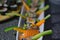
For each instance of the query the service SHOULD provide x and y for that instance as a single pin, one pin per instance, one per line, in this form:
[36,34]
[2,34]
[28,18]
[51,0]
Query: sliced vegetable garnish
[10,28]
[29,33]
[15,14]
[42,9]
[28,2]
[45,8]
[25,26]
[41,21]
[19,30]
[26,6]
[47,16]
[42,34]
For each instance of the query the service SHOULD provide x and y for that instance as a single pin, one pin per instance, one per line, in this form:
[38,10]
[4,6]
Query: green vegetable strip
[45,8]
[28,2]
[15,14]
[25,26]
[42,34]
[41,2]
[9,28]
[47,16]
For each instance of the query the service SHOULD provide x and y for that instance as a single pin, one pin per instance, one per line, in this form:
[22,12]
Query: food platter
[31,20]
[41,29]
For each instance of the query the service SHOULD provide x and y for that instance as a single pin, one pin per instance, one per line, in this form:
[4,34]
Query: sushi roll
[1,6]
[13,7]
[19,2]
[5,5]
[11,2]
[3,11]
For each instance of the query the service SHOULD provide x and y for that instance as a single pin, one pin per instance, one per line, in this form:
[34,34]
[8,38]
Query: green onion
[28,2]
[15,14]
[42,34]
[45,8]
[9,28]
[25,26]
[47,16]
[41,2]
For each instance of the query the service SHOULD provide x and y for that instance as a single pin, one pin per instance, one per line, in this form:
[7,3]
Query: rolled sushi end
[42,34]
[13,7]
[9,28]
[3,10]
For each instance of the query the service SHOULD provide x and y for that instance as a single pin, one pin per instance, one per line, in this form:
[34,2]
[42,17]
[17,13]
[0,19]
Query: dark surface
[53,23]
[11,35]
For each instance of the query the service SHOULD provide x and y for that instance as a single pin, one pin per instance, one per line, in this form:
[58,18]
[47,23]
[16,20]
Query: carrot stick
[42,21]
[29,33]
[19,30]
[26,6]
